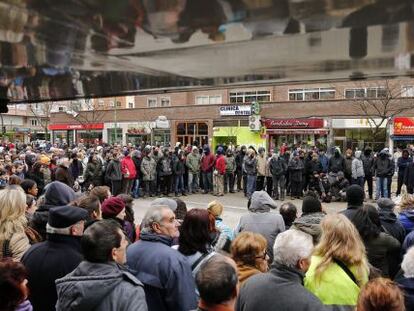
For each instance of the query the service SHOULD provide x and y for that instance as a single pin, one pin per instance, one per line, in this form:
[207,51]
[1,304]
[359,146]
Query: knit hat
[66,216]
[310,205]
[355,195]
[215,208]
[112,206]
[44,160]
[385,203]
[165,202]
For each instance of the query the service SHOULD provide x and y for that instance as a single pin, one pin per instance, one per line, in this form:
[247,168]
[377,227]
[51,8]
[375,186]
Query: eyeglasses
[264,256]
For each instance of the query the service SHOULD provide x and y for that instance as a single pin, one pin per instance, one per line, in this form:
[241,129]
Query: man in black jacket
[389,220]
[282,286]
[368,162]
[57,256]
[114,288]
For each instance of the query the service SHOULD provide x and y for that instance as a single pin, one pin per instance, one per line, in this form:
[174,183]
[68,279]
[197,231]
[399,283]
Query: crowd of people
[69,239]
[148,171]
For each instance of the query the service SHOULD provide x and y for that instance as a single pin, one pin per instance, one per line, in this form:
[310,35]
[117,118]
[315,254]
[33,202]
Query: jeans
[279,183]
[135,189]
[207,181]
[251,185]
[179,184]
[229,182]
[382,188]
[193,181]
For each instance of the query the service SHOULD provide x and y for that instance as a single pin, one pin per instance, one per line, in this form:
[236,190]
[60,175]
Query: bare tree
[85,113]
[379,103]
[41,112]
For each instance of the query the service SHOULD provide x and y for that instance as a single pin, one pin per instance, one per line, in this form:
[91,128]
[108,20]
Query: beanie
[310,205]
[355,195]
[215,208]
[112,207]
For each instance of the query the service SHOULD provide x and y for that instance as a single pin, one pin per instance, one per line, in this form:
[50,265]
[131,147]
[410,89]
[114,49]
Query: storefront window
[114,135]
[187,133]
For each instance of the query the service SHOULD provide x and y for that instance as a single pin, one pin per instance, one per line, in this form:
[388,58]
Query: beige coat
[19,244]
[261,165]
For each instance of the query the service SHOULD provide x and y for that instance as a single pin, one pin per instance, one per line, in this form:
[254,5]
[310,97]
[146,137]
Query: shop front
[358,133]
[295,132]
[403,132]
[237,136]
[75,133]
[189,131]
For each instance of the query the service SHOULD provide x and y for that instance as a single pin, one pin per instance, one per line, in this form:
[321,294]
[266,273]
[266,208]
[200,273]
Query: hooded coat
[391,224]
[310,224]
[100,286]
[406,218]
[261,220]
[357,166]
[383,166]
[207,161]
[57,194]
[336,163]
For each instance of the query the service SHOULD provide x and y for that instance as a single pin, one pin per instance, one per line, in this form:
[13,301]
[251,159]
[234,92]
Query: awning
[297,132]
[404,138]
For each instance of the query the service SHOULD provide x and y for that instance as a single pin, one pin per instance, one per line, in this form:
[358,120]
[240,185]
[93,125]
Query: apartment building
[322,113]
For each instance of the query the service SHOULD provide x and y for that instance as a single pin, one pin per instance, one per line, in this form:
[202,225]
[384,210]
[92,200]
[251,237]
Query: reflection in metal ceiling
[51,50]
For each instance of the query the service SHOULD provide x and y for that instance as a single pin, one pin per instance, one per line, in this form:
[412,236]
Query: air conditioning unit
[254,123]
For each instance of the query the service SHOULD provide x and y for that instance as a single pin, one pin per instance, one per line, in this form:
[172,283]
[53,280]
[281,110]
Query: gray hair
[407,264]
[153,215]
[61,231]
[291,246]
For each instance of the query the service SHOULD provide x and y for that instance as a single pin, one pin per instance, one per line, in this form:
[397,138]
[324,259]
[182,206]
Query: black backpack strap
[198,261]
[6,249]
[346,270]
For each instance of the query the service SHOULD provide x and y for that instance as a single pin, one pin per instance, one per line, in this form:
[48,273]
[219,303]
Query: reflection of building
[322,114]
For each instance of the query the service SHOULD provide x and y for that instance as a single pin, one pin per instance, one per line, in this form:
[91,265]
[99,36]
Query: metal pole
[116,123]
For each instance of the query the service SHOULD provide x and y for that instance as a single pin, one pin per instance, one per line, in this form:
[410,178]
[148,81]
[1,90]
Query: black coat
[409,176]
[296,169]
[407,285]
[391,224]
[46,262]
[280,289]
[336,164]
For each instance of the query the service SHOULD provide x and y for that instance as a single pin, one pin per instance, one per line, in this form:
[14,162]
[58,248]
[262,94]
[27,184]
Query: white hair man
[283,284]
[406,283]
[165,273]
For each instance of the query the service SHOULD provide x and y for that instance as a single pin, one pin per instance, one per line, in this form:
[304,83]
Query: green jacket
[334,287]
[230,164]
[193,162]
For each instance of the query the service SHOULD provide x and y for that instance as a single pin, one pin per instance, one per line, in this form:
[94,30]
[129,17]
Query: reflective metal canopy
[51,50]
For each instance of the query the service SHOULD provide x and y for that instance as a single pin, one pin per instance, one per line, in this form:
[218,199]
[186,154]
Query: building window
[33,122]
[369,92]
[151,102]
[165,102]
[60,108]
[209,100]
[249,97]
[407,91]
[101,102]
[111,104]
[188,132]
[118,104]
[131,105]
[311,94]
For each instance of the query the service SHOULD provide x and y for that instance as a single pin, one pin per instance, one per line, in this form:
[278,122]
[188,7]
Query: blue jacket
[407,220]
[165,273]
[324,162]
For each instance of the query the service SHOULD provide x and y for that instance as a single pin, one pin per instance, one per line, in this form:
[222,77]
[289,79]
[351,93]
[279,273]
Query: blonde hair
[246,246]
[12,212]
[215,208]
[340,240]
[407,202]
